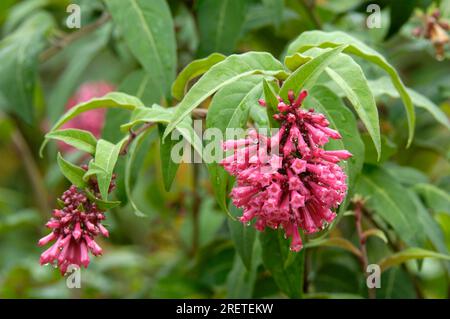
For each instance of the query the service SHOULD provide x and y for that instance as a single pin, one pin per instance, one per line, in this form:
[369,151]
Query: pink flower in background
[296,188]
[92,120]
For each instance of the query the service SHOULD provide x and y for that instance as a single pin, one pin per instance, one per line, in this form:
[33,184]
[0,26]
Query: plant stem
[195,208]
[133,135]
[396,247]
[363,259]
[32,171]
[72,37]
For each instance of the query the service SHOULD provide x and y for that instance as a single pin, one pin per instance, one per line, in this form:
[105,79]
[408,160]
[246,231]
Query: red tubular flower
[297,188]
[74,228]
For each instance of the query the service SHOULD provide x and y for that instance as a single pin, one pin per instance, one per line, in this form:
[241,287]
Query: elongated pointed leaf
[148,29]
[229,70]
[270,97]
[19,54]
[80,139]
[101,204]
[135,156]
[322,39]
[158,114]
[349,76]
[241,280]
[106,156]
[220,24]
[72,172]
[431,227]
[230,109]
[193,70]
[306,76]
[168,167]
[335,242]
[275,253]
[435,198]
[387,198]
[110,100]
[243,237]
[409,254]
[382,86]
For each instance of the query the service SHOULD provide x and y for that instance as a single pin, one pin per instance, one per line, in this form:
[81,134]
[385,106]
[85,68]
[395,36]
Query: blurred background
[172,253]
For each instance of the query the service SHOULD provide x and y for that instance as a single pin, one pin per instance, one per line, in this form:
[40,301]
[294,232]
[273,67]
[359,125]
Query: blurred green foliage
[155,256]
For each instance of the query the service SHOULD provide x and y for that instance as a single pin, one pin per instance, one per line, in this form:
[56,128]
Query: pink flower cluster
[288,179]
[74,228]
[92,120]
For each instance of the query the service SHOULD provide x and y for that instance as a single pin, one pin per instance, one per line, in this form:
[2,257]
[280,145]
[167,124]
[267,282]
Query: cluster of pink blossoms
[288,179]
[74,228]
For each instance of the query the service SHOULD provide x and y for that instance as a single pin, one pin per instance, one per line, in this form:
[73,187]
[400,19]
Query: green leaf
[93,170]
[406,175]
[229,108]
[388,149]
[110,100]
[193,70]
[155,114]
[168,167]
[20,12]
[80,139]
[271,102]
[148,29]
[223,73]
[393,203]
[72,172]
[139,84]
[275,253]
[322,39]
[306,75]
[158,114]
[400,12]
[268,13]
[19,55]
[80,54]
[324,101]
[276,9]
[106,156]
[241,280]
[296,60]
[408,254]
[101,204]
[349,76]
[220,24]
[336,242]
[435,198]
[134,156]
[382,86]
[377,233]
[243,237]
[431,228]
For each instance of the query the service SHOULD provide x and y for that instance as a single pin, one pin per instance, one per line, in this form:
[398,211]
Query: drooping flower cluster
[288,180]
[92,120]
[74,228]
